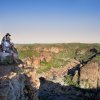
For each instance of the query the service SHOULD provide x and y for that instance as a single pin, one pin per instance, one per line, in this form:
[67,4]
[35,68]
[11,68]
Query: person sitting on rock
[6,44]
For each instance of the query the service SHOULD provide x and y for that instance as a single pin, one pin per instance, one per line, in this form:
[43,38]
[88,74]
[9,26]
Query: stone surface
[89,75]
[15,84]
[6,58]
[13,88]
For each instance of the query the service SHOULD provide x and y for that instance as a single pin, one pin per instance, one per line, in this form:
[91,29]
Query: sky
[50,21]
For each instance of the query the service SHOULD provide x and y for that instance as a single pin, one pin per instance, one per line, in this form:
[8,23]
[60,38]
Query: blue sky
[50,21]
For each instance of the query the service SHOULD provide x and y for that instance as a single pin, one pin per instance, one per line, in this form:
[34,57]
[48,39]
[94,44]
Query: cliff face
[13,87]
[15,84]
[90,75]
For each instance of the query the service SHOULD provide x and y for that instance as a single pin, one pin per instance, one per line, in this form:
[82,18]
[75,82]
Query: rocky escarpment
[12,88]
[15,84]
[78,79]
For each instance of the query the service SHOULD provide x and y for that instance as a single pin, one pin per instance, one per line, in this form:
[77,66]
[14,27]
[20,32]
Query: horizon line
[61,43]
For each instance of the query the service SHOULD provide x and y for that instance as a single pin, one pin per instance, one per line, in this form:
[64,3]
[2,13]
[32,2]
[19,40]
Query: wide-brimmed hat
[8,34]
